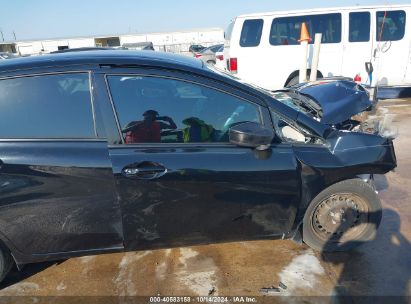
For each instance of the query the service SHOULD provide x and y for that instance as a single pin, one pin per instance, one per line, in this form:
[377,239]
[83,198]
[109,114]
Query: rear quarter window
[46,107]
[251,33]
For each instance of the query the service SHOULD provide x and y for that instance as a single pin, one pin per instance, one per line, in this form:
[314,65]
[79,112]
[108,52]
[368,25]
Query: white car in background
[6,55]
[219,59]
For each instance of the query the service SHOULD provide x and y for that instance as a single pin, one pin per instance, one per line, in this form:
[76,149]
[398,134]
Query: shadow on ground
[15,276]
[377,268]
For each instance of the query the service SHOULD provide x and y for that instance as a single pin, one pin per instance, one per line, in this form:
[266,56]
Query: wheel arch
[7,245]
[297,73]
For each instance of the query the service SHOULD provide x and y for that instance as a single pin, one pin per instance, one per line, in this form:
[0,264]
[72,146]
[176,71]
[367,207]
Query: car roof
[120,58]
[107,57]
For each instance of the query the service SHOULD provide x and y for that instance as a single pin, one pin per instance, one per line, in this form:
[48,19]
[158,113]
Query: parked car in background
[208,55]
[116,151]
[139,46]
[195,48]
[263,49]
[219,58]
[82,49]
[7,55]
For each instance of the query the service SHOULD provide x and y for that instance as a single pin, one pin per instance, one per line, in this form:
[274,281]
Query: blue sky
[31,19]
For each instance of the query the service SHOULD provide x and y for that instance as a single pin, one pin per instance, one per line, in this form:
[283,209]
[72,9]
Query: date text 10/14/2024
[209,299]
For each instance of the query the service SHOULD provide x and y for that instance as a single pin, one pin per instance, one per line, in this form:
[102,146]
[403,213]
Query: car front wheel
[342,217]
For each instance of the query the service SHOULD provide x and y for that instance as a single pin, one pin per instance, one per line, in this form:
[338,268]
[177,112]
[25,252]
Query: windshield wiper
[304,101]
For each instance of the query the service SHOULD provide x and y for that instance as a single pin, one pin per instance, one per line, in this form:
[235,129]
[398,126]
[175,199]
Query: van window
[161,110]
[287,30]
[47,107]
[251,33]
[390,25]
[360,23]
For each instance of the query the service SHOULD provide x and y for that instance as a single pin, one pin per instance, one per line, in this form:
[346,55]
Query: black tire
[6,262]
[296,79]
[362,224]
[293,81]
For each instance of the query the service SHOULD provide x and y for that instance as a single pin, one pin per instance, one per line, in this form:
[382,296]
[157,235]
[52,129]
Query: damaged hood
[337,100]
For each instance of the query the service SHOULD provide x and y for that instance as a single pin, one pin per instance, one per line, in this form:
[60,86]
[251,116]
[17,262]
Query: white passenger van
[263,49]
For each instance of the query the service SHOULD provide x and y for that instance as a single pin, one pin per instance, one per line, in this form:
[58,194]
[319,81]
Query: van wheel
[295,80]
[342,217]
[6,262]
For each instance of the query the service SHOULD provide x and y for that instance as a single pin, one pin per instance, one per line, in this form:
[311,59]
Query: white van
[263,49]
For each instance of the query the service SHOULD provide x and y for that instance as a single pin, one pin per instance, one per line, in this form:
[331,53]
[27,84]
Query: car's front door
[179,179]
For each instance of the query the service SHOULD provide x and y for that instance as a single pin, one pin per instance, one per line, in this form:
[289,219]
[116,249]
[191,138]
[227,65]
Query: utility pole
[14,34]
[2,36]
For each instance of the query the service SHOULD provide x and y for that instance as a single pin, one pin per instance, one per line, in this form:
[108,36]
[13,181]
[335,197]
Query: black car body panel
[339,100]
[347,156]
[58,197]
[209,194]
[63,198]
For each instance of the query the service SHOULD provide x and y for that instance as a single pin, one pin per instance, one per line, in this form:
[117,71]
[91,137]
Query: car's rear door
[192,185]
[57,190]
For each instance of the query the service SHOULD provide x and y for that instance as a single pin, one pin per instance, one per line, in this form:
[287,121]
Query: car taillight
[233,65]
[220,57]
[198,55]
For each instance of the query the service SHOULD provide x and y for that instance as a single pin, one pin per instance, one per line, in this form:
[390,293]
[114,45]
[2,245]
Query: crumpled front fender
[346,155]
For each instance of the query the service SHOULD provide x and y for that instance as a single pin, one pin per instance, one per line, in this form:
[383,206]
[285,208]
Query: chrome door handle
[144,170]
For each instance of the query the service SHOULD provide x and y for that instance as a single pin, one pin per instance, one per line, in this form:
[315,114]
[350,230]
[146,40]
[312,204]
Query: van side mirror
[252,135]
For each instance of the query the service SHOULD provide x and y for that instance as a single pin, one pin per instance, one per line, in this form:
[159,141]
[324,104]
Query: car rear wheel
[6,262]
[342,217]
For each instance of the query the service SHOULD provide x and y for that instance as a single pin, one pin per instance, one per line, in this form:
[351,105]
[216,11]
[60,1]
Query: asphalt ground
[378,268]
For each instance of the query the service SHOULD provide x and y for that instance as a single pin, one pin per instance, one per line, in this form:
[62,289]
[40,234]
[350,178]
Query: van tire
[362,224]
[295,80]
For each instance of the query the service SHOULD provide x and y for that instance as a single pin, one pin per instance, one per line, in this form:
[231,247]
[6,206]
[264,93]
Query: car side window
[390,25]
[163,110]
[46,107]
[251,33]
[360,23]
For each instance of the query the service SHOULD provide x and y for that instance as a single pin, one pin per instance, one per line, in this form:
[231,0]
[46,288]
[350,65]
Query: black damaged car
[118,151]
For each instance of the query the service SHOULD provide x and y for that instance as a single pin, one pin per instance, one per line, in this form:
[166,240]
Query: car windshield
[213,48]
[292,98]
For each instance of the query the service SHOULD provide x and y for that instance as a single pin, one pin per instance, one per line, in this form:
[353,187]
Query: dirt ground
[378,268]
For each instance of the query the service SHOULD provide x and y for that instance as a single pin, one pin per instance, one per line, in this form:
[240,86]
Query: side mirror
[252,135]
